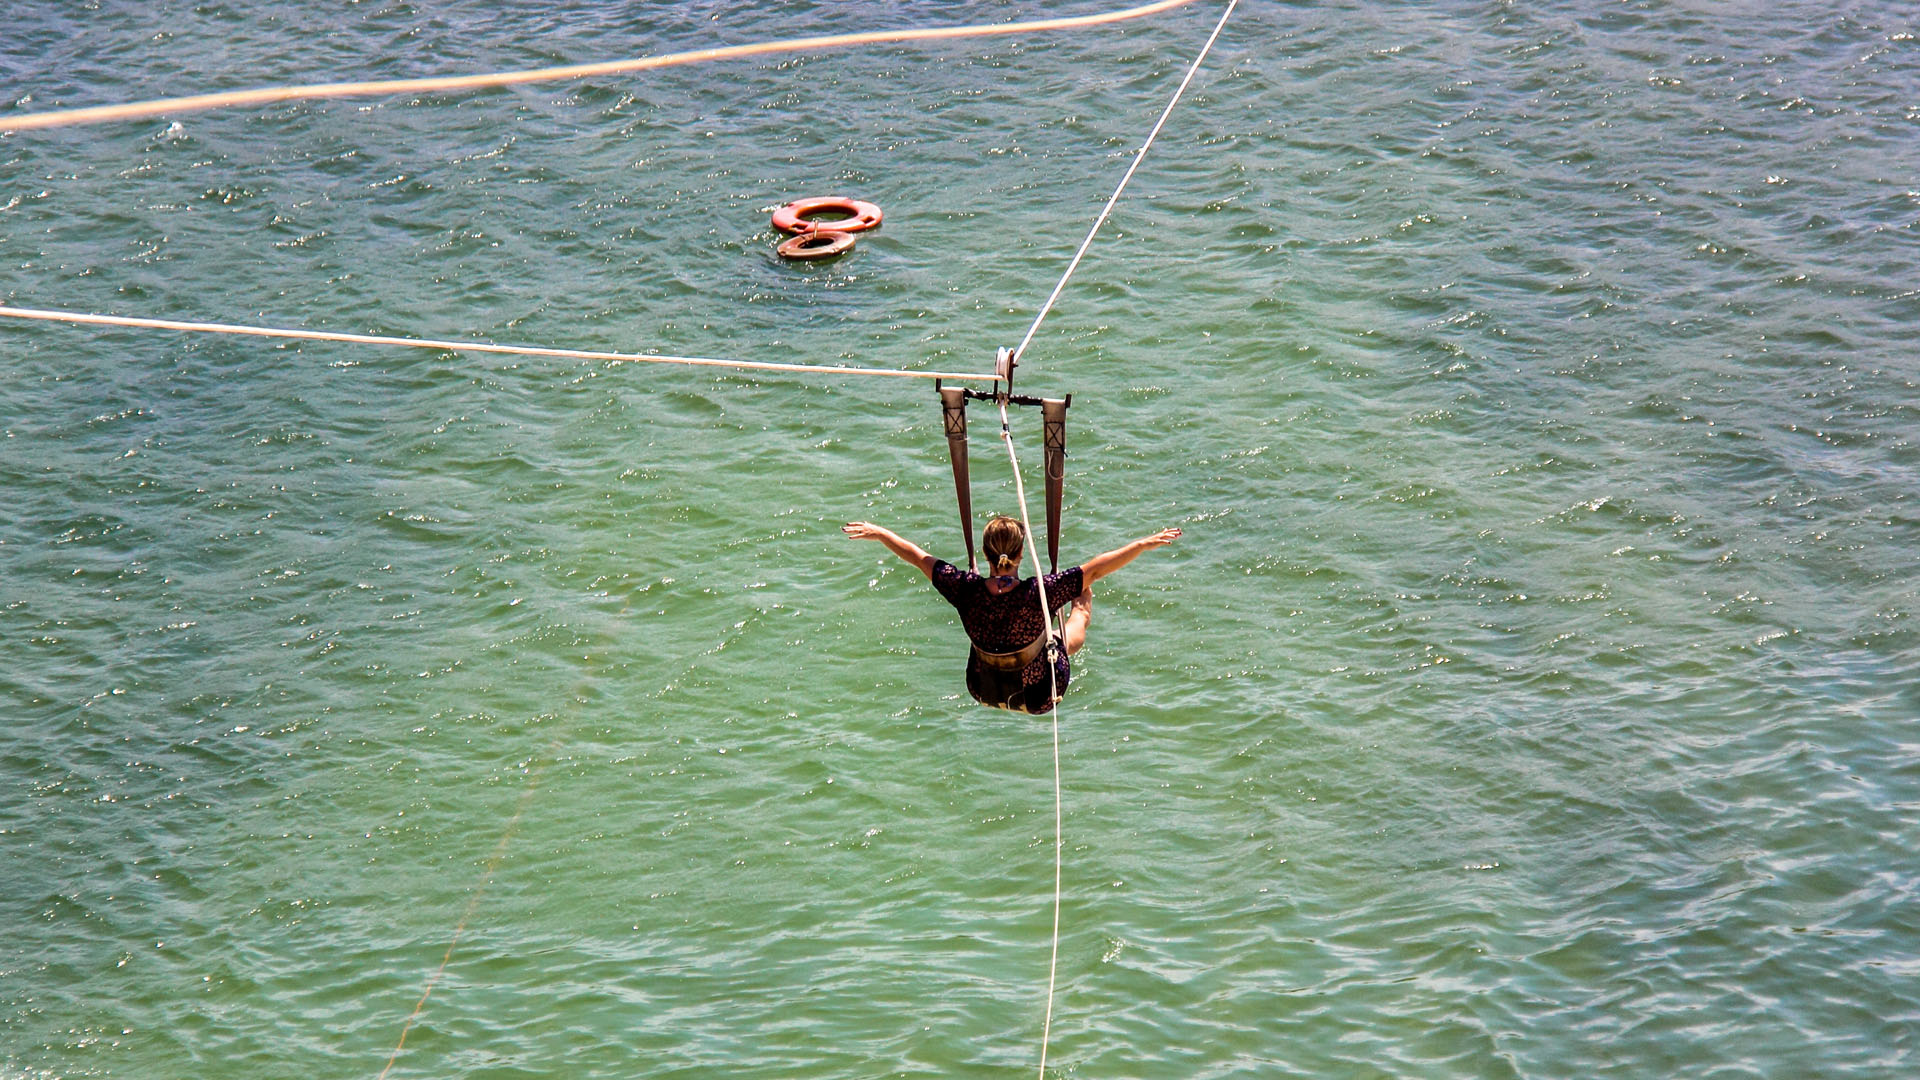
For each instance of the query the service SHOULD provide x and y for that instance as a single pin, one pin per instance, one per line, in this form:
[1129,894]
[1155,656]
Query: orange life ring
[793,216]
[816,244]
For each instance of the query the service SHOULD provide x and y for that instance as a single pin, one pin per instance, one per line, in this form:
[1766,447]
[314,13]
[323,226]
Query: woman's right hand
[862,530]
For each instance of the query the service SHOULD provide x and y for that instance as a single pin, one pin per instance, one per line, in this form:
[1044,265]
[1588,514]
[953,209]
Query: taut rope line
[1020,492]
[99,114]
[84,318]
[1137,159]
[1053,691]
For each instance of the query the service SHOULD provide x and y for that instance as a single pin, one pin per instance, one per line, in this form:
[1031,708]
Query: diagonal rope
[266,95]
[473,902]
[1108,209]
[83,318]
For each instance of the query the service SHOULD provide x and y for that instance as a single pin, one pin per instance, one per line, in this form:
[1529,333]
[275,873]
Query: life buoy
[793,216]
[817,244]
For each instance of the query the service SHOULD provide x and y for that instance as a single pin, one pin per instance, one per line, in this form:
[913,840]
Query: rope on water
[266,95]
[1138,157]
[83,318]
[473,902]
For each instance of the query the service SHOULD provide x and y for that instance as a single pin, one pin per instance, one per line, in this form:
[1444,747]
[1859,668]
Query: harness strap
[1016,660]
[953,411]
[1053,416]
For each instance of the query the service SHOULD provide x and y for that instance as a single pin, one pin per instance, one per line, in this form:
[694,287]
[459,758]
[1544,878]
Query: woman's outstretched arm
[910,553]
[1106,563]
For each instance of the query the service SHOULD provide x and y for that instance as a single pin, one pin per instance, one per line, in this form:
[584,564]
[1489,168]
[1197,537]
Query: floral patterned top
[1008,621]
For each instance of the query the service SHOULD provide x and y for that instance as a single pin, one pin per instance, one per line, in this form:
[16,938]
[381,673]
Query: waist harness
[1012,661]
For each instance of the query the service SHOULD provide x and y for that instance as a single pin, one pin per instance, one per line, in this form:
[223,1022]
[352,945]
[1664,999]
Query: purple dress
[1007,623]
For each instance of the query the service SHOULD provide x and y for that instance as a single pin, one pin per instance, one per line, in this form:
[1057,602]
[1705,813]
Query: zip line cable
[1020,492]
[1138,157]
[83,318]
[100,114]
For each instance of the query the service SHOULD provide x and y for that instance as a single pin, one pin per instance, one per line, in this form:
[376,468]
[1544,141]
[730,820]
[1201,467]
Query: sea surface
[1532,694]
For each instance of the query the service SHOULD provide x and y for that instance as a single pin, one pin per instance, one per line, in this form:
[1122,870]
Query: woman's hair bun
[1002,541]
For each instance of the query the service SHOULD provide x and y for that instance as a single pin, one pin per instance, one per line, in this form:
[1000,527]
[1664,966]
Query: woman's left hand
[862,530]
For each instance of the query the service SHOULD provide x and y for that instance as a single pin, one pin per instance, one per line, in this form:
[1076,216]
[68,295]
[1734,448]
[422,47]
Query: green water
[1531,694]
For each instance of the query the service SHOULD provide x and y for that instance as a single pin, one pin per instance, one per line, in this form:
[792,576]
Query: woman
[1008,668]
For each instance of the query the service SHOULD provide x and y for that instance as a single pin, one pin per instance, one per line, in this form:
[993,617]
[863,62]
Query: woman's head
[1002,543]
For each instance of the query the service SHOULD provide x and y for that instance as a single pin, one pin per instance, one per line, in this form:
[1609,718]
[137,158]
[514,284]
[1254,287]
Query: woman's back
[1003,620]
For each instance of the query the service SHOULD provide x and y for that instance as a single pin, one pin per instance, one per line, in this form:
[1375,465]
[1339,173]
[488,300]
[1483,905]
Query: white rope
[1053,693]
[1020,352]
[271,94]
[1020,492]
[86,319]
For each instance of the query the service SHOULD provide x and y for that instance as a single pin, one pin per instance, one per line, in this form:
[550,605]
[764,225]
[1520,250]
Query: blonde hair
[1002,541]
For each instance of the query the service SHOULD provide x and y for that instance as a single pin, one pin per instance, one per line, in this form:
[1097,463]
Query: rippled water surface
[1532,695]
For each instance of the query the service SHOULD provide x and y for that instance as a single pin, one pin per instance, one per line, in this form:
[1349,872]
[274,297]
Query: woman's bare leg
[1081,617]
